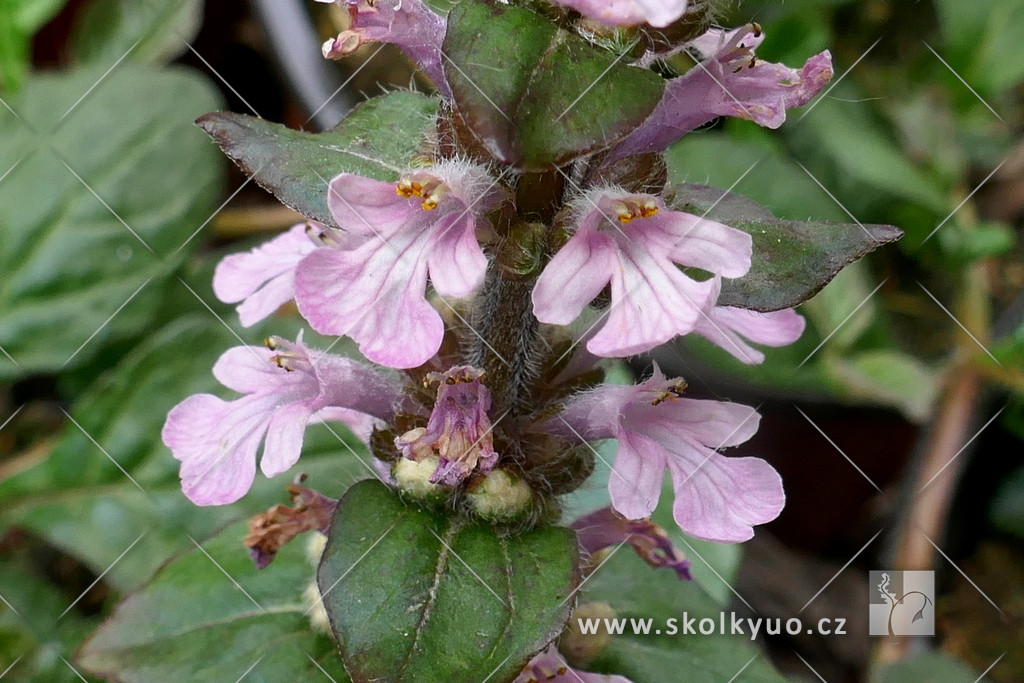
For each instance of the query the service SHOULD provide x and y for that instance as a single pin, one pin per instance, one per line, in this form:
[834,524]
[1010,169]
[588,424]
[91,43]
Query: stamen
[629,210]
[423,185]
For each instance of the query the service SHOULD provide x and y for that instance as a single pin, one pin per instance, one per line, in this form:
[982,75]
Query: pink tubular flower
[717,498]
[604,528]
[729,328]
[730,82]
[459,430]
[550,667]
[375,292]
[263,279]
[284,386]
[657,13]
[409,24]
[633,242]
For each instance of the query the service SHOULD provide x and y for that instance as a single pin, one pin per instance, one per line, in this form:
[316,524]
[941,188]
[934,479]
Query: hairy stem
[506,338]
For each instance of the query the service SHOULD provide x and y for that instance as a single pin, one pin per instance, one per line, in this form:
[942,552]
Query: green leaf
[635,591]
[210,615]
[887,377]
[82,502]
[929,667]
[144,30]
[414,595]
[792,260]
[19,20]
[549,98]
[844,308]
[983,43]
[78,267]
[849,145]
[377,139]
[767,174]
[33,640]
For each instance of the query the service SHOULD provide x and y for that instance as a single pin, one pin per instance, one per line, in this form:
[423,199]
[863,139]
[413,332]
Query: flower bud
[413,477]
[581,648]
[500,496]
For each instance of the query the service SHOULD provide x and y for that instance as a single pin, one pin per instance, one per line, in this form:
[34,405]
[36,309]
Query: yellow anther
[270,343]
[427,187]
[648,209]
[407,188]
[629,210]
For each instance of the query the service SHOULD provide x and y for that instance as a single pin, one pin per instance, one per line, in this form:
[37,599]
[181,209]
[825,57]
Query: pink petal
[657,13]
[369,208]
[457,263]
[710,245]
[573,277]
[652,302]
[375,295]
[409,24]
[637,473]
[550,667]
[285,431]
[246,369]
[714,424]
[723,499]
[777,328]
[359,424]
[216,442]
[731,82]
[727,327]
[262,279]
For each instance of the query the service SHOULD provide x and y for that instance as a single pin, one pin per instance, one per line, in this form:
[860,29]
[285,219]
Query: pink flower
[263,279]
[604,528]
[730,82]
[658,13]
[729,328]
[717,498]
[284,386]
[459,430]
[374,292]
[550,667]
[409,24]
[633,242]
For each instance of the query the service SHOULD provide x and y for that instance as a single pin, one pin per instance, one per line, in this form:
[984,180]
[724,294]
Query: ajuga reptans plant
[489,248]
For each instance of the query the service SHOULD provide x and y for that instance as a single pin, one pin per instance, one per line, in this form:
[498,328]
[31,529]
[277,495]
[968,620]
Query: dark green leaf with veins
[537,95]
[210,615]
[415,595]
[377,140]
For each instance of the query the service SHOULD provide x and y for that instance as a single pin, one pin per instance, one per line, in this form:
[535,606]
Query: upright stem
[506,338]
[506,332]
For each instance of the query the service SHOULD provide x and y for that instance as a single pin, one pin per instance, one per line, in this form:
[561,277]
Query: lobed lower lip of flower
[428,187]
[629,209]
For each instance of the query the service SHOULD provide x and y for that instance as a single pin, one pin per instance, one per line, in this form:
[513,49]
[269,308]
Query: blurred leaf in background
[108,180]
[19,20]
[154,31]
